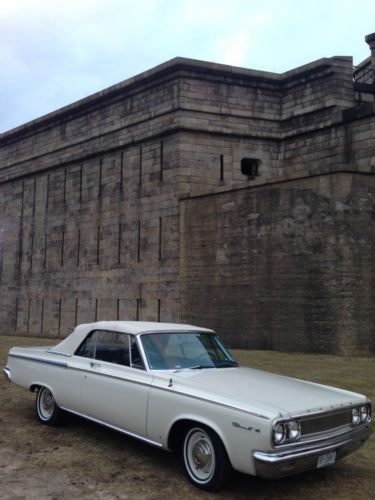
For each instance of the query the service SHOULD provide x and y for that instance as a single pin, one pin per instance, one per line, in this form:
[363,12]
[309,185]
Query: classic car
[177,387]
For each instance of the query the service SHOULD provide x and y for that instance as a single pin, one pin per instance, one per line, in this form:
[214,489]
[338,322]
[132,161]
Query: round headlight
[356,417]
[294,429]
[279,433]
[364,413]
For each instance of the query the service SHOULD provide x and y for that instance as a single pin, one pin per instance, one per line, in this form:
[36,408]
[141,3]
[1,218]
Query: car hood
[248,388]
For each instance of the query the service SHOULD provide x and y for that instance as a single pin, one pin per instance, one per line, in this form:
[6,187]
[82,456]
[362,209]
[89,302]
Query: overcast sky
[53,52]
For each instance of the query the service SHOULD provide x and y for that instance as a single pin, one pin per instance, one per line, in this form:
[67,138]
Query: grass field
[87,461]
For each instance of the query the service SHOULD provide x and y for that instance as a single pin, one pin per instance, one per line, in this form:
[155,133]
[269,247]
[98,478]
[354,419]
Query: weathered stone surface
[132,204]
[288,266]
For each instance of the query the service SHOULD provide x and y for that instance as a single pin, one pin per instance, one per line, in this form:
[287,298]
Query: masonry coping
[174,64]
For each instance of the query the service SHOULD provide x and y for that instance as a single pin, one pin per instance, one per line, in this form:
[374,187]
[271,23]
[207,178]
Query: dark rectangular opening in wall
[62,248]
[100,177]
[45,251]
[119,244]
[118,309]
[159,309]
[221,167]
[31,251]
[59,320]
[161,160]
[122,172]
[76,313]
[47,192]
[34,195]
[98,247]
[22,198]
[42,317]
[80,182]
[28,314]
[139,242]
[96,309]
[138,312]
[140,166]
[65,174]
[20,252]
[16,315]
[160,237]
[250,167]
[78,246]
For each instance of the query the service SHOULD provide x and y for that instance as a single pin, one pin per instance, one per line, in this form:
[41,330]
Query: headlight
[294,429]
[365,413]
[279,433]
[356,416]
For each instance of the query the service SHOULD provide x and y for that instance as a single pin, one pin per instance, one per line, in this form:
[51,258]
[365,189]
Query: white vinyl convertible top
[70,344]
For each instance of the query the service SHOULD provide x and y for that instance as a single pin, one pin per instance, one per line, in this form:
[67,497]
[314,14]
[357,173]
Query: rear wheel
[205,459]
[47,410]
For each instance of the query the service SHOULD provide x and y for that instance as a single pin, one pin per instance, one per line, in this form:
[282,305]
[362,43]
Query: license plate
[327,459]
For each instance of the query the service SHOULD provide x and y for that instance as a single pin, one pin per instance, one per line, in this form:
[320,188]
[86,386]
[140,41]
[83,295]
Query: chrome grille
[326,422]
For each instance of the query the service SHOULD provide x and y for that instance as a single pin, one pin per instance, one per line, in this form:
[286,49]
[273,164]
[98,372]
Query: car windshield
[187,350]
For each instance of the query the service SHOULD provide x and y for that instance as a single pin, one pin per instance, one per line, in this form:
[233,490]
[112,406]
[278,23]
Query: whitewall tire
[47,410]
[205,459]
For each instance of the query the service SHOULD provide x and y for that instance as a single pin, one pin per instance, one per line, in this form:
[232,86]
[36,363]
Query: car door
[115,385]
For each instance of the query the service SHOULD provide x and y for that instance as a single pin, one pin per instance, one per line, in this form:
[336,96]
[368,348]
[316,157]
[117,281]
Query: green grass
[81,459]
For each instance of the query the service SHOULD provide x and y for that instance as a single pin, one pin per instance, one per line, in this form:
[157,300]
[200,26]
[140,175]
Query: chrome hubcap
[47,404]
[201,454]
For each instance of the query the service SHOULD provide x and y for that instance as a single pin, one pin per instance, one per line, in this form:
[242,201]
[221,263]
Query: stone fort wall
[94,197]
[308,254]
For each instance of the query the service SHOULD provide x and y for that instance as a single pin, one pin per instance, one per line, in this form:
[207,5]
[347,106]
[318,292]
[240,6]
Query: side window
[112,347]
[136,360]
[88,347]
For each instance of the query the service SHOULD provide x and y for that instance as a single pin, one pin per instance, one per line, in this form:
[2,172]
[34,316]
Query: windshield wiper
[195,367]
[228,364]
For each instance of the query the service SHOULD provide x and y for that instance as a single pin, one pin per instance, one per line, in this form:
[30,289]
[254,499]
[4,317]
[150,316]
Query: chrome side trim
[169,389]
[108,375]
[6,372]
[114,427]
[40,360]
[59,353]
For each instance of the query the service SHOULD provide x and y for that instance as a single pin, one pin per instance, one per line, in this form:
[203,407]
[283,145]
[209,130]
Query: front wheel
[205,458]
[47,410]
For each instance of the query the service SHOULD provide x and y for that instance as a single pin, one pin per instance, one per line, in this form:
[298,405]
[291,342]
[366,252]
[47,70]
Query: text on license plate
[327,459]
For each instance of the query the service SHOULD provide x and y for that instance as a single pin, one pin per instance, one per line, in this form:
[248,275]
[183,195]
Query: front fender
[240,432]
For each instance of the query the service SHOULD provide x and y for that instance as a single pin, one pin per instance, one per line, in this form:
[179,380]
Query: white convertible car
[177,387]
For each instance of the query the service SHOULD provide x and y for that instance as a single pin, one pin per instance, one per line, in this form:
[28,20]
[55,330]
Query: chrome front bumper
[6,372]
[280,463]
